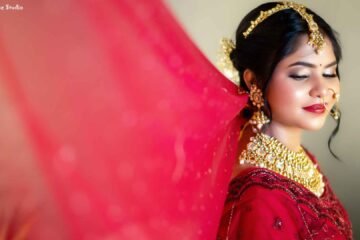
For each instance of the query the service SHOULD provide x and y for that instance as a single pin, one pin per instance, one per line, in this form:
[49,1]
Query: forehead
[305,52]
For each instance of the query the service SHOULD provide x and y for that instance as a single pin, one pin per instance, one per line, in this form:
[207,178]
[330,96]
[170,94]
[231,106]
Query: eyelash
[301,77]
[298,77]
[330,75]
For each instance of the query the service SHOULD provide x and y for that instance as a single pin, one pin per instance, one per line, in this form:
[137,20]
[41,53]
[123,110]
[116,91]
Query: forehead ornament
[316,39]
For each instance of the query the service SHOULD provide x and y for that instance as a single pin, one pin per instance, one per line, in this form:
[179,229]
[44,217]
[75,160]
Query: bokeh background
[207,21]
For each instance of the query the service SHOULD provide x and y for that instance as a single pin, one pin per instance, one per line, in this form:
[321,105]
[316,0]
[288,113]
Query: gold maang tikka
[316,39]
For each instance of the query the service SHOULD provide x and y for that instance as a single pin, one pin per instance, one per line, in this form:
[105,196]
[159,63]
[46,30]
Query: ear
[249,77]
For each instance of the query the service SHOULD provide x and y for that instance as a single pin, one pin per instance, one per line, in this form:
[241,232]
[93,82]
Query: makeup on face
[315,108]
[303,70]
[303,79]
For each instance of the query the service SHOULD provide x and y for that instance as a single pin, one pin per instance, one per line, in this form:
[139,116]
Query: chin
[314,125]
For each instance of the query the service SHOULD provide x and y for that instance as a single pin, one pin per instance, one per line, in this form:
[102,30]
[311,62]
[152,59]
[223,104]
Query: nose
[319,91]
[319,88]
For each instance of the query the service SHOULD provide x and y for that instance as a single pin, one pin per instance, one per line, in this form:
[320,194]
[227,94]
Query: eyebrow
[306,64]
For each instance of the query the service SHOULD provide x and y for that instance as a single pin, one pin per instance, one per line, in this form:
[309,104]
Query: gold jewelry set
[265,151]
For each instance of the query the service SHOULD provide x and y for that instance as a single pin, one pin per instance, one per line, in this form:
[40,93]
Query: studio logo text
[11,7]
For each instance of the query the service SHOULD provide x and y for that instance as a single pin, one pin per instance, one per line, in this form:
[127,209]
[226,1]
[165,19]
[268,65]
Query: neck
[290,137]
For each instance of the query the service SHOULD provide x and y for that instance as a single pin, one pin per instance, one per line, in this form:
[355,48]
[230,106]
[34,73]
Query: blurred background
[207,21]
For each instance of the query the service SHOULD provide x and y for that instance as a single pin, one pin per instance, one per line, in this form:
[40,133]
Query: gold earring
[335,111]
[259,118]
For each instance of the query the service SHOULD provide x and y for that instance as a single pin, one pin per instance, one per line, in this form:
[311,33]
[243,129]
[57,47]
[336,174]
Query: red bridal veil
[113,124]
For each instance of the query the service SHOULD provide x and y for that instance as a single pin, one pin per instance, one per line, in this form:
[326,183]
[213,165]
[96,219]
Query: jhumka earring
[259,118]
[335,111]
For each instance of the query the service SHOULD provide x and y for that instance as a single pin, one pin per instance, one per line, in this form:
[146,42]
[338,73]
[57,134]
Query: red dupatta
[115,125]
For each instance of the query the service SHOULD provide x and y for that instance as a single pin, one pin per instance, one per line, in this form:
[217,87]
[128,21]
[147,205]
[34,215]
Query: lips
[316,108]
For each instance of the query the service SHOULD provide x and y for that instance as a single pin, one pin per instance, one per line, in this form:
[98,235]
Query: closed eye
[298,77]
[330,75]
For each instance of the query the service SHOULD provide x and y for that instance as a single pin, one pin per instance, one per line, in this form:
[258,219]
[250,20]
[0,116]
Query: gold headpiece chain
[316,39]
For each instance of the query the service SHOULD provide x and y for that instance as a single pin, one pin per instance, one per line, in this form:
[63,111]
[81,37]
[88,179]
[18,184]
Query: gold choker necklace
[267,152]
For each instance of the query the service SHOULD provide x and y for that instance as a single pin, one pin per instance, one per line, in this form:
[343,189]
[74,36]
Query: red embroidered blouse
[262,204]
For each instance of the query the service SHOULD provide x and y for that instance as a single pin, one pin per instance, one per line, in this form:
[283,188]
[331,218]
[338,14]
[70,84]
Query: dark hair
[271,41]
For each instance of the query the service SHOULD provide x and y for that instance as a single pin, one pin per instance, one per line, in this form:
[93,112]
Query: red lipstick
[316,108]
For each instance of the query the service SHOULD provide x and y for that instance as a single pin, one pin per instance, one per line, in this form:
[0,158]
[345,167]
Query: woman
[123,130]
[287,58]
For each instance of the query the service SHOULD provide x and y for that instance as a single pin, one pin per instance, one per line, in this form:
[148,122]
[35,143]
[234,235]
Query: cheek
[336,86]
[286,95]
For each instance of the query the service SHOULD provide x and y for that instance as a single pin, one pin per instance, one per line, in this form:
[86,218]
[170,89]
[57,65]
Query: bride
[287,59]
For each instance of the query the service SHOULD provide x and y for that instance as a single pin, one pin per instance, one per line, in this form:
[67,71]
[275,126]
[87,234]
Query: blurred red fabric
[113,124]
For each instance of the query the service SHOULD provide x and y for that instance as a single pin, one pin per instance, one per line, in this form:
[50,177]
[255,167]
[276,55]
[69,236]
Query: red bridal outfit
[262,204]
[113,125]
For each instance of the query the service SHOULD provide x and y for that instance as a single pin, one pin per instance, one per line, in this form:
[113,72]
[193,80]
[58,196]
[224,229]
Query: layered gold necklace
[267,152]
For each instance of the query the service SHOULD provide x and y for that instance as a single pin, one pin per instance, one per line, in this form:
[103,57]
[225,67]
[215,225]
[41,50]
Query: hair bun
[234,57]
